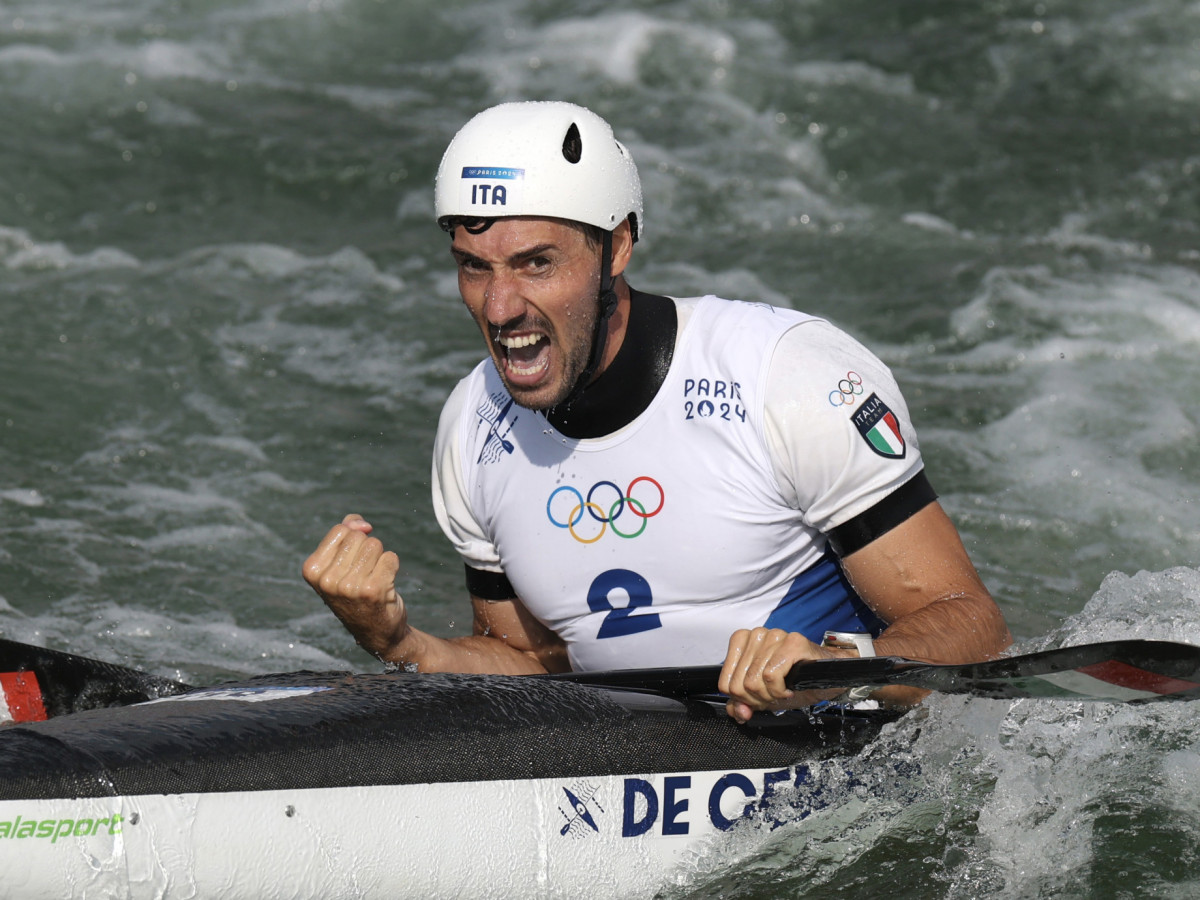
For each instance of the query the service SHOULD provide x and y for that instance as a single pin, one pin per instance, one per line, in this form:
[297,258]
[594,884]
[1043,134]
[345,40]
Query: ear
[622,247]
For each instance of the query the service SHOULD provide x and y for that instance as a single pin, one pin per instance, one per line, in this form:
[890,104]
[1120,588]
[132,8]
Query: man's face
[531,285]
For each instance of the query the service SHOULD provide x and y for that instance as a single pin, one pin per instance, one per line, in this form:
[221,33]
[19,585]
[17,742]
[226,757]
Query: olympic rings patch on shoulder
[605,503]
[847,390]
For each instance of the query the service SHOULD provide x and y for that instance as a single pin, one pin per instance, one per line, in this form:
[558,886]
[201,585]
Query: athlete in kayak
[635,480]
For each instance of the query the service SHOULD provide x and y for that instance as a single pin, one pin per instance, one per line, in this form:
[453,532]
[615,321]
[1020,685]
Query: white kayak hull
[627,836]
[332,786]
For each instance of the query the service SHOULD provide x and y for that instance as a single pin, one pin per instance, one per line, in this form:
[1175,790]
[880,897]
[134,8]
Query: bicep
[918,578]
[511,622]
[916,562]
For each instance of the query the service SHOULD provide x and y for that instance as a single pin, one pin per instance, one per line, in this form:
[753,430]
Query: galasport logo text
[55,830]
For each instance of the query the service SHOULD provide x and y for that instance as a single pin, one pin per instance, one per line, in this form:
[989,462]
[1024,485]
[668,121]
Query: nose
[502,299]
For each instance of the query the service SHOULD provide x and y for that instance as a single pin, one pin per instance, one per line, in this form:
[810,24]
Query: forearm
[959,627]
[477,654]
[956,629]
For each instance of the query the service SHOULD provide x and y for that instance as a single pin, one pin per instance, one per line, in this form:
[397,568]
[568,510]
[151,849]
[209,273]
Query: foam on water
[612,46]
[1071,781]
[174,495]
[198,650]
[975,798]
[19,251]
[1086,389]
[229,321]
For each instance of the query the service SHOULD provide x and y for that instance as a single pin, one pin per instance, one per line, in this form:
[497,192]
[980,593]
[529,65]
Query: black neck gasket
[625,389]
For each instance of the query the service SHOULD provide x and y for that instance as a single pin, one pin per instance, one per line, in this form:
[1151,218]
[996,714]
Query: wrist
[853,643]
[862,644]
[401,648]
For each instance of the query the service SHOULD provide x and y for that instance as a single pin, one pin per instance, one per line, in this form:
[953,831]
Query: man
[637,481]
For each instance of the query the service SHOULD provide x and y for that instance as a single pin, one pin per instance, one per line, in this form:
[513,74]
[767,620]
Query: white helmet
[538,159]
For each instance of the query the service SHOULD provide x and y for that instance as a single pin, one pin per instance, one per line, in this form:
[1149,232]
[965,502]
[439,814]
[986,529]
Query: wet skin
[531,284]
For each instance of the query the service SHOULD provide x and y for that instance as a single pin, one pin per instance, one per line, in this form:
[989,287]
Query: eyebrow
[464,256]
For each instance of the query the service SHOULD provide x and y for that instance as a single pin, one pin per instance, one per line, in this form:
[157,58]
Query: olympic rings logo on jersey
[847,389]
[605,504]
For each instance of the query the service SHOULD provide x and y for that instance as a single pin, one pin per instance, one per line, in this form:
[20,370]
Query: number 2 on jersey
[621,620]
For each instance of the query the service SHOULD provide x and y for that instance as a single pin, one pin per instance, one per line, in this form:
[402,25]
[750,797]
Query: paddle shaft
[1115,671]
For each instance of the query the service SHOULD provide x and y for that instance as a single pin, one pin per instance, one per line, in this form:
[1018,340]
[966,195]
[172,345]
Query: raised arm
[356,577]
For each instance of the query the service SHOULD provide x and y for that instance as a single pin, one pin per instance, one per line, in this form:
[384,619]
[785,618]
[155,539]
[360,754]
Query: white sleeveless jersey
[651,546]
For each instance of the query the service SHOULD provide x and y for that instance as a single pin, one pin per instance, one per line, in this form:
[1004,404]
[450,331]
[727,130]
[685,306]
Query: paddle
[38,683]
[1132,671]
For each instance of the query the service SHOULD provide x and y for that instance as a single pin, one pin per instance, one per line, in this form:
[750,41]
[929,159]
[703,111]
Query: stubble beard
[574,350]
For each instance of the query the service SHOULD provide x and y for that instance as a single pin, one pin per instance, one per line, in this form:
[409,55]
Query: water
[228,321]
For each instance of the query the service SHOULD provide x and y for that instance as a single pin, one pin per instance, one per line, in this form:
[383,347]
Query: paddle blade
[21,698]
[36,683]
[1131,671]
[1115,671]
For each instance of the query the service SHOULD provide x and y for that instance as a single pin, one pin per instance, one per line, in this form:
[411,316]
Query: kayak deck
[316,730]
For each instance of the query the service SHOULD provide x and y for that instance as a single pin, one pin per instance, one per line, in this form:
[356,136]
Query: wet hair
[593,234]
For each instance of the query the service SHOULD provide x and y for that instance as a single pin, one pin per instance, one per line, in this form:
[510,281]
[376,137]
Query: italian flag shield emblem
[880,427]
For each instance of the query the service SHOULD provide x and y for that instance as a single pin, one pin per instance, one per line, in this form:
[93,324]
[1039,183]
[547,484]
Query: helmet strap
[607,306]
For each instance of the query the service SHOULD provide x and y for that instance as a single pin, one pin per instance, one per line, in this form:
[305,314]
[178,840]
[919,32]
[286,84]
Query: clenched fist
[356,578]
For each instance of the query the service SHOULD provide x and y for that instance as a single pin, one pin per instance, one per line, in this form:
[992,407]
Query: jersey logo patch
[605,504]
[848,391]
[494,412]
[880,428]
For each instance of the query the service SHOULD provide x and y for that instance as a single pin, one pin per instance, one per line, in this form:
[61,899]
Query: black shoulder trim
[489,585]
[894,509]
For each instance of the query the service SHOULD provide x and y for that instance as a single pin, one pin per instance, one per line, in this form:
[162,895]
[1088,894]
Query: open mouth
[526,355]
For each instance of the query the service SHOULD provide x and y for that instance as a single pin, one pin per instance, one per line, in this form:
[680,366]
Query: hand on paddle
[756,664]
[356,578]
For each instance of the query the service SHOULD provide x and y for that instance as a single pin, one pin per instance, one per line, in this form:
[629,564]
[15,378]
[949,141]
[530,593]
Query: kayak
[398,785]
[116,783]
